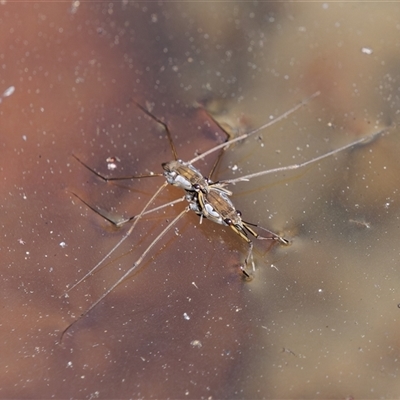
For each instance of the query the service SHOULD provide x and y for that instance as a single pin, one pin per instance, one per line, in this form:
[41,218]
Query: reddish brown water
[322,323]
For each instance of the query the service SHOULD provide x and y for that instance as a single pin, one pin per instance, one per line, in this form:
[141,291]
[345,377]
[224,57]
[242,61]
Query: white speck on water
[196,343]
[366,50]
[9,91]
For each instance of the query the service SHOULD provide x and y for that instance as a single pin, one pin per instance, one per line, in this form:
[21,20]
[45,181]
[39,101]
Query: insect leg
[254,131]
[249,256]
[126,220]
[127,273]
[241,230]
[162,123]
[274,236]
[301,165]
[119,178]
[127,234]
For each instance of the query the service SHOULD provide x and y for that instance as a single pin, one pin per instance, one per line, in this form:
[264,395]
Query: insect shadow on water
[207,198]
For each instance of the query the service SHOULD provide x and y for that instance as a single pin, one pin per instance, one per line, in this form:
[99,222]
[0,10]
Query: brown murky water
[321,317]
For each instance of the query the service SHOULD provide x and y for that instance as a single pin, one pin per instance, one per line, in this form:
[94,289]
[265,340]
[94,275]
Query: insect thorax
[184,175]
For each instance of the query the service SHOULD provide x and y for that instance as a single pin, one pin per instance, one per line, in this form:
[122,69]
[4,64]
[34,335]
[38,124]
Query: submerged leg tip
[247,276]
[284,241]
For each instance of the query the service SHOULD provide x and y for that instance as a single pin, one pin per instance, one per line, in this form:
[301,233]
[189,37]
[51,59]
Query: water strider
[208,199]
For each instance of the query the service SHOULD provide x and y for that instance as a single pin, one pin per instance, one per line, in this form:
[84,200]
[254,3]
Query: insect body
[185,175]
[216,206]
[208,199]
[211,200]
